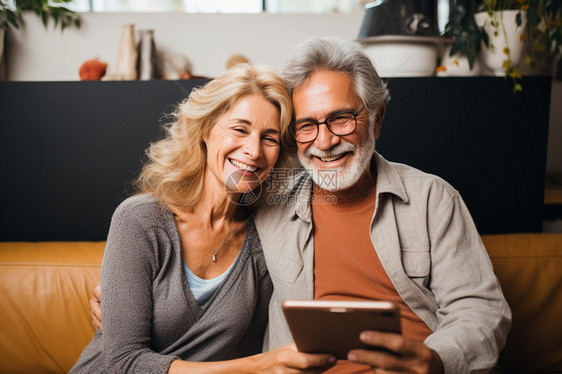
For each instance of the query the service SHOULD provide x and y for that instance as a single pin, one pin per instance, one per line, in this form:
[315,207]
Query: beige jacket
[429,247]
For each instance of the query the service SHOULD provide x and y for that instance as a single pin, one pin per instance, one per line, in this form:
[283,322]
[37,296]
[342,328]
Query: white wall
[208,40]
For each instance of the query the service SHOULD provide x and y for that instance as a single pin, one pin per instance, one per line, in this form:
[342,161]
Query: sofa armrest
[45,318]
[529,268]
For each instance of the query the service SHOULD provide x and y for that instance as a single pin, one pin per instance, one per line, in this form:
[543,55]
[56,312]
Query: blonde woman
[184,283]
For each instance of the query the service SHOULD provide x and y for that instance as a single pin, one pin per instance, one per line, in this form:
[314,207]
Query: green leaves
[9,18]
[544,26]
[468,37]
[62,17]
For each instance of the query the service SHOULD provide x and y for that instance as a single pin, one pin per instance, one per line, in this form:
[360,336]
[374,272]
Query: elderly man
[355,226]
[352,225]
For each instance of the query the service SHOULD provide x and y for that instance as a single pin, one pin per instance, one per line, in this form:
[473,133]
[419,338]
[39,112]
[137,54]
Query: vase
[506,35]
[126,68]
[402,55]
[146,52]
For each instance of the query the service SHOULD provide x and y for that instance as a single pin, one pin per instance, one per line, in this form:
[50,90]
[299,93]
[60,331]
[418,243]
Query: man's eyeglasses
[342,123]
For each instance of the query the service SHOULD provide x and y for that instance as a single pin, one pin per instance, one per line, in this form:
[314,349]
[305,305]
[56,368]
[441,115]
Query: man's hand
[95,307]
[410,356]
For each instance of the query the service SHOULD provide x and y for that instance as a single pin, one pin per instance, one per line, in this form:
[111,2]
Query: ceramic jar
[126,68]
[147,54]
[494,56]
[402,55]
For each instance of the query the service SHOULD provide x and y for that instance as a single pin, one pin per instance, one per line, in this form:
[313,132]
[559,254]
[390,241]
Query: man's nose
[325,139]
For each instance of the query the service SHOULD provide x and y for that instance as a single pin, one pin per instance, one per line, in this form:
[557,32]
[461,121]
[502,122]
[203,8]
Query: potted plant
[11,16]
[543,30]
[11,13]
[519,27]
[467,39]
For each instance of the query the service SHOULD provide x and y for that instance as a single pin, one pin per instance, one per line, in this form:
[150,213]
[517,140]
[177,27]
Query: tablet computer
[322,326]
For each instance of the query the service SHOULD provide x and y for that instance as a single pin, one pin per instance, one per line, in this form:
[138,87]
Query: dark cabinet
[69,150]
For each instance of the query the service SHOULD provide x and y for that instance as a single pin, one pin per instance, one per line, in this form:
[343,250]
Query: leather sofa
[44,311]
[45,288]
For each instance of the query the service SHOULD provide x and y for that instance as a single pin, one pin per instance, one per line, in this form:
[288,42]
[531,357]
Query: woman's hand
[410,356]
[287,359]
[284,359]
[95,307]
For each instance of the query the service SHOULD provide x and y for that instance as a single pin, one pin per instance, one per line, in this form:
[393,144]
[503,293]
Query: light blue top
[203,289]
[150,319]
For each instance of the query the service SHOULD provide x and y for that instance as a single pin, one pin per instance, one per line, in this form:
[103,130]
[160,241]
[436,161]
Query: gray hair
[336,54]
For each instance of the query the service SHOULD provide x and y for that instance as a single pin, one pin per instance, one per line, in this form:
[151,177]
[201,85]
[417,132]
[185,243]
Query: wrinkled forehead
[324,92]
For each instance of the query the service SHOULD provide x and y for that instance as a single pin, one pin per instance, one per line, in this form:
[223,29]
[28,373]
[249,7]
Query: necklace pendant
[214,258]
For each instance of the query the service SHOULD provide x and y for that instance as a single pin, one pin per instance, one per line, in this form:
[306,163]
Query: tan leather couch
[45,288]
[44,312]
[529,267]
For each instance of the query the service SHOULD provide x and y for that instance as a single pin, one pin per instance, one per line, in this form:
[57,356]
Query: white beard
[346,176]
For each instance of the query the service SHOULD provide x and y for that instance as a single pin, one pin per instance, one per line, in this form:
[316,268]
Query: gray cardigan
[150,318]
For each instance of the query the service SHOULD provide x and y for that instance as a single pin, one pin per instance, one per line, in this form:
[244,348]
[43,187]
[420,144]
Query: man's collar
[302,192]
[388,179]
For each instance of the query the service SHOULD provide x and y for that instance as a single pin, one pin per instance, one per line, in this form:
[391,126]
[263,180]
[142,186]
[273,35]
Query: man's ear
[378,122]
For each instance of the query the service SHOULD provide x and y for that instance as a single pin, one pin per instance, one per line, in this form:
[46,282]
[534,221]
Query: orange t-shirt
[346,265]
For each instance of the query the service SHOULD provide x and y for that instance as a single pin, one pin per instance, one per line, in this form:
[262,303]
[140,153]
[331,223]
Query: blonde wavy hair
[176,164]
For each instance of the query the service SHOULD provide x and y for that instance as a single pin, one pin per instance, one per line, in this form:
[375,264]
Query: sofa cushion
[529,268]
[45,288]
